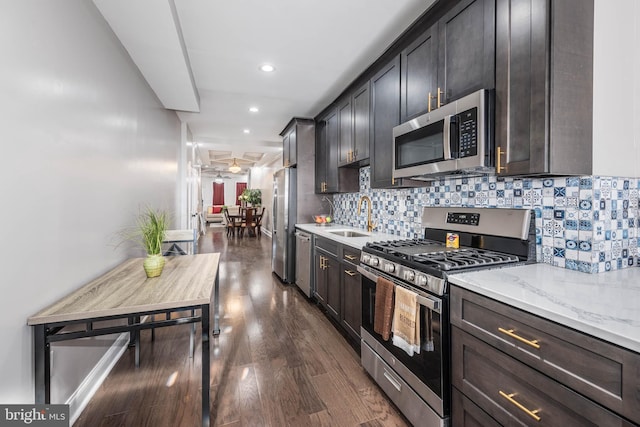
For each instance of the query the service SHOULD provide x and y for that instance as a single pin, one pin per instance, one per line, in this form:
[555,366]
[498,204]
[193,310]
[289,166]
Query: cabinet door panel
[321,278]
[345,145]
[465,413]
[351,300]
[419,65]
[385,99]
[285,151]
[332,271]
[466,37]
[293,147]
[361,111]
[521,93]
[321,155]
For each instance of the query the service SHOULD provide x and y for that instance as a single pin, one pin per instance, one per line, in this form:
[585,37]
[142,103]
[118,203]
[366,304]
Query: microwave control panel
[468,133]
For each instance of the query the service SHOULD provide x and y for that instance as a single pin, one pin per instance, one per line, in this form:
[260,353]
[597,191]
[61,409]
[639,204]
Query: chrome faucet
[370,225]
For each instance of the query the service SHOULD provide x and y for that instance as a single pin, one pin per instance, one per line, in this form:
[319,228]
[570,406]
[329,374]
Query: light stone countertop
[355,242]
[603,305]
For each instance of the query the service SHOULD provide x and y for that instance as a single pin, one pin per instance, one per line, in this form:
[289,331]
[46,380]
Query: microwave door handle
[446,135]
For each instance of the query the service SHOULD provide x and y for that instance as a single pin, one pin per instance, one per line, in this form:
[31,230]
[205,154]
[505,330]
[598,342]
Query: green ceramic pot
[153,265]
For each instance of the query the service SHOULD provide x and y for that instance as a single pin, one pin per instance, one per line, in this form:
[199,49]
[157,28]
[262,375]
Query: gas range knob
[421,280]
[409,275]
[375,261]
[389,268]
[366,258]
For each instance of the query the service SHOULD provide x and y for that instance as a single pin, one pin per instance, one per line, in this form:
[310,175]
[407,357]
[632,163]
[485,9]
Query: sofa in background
[214,213]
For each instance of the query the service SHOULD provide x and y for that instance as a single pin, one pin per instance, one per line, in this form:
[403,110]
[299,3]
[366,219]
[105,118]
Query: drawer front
[465,413]
[329,246]
[605,373]
[514,394]
[350,255]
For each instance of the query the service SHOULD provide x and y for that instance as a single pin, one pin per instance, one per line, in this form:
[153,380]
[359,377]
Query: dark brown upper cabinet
[466,49]
[385,115]
[298,130]
[345,132]
[544,87]
[419,82]
[353,136]
[328,177]
[452,58]
[289,148]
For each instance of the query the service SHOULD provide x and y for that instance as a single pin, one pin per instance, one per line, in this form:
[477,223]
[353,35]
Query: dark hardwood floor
[277,362]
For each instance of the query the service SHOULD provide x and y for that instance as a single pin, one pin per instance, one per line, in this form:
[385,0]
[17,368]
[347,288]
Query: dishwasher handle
[303,236]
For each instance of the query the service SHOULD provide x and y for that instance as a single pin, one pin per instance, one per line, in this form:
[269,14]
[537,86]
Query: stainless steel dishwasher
[303,262]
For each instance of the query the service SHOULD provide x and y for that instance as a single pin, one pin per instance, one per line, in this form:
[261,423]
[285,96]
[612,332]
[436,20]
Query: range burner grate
[463,258]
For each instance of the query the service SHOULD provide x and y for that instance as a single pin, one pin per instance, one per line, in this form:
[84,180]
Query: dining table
[187,291]
[239,218]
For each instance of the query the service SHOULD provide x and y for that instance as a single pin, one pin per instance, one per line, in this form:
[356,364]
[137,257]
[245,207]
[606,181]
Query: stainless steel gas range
[420,384]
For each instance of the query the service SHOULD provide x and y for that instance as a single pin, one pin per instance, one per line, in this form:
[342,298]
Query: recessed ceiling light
[267,68]
[254,109]
[246,131]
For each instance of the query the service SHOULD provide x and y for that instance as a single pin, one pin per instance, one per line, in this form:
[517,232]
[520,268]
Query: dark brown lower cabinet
[351,293]
[468,414]
[523,370]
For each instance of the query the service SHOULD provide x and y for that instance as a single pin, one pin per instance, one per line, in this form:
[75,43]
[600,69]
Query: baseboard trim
[266,232]
[83,394]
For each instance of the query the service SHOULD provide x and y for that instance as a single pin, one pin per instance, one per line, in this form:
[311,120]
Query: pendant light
[234,168]
[218,178]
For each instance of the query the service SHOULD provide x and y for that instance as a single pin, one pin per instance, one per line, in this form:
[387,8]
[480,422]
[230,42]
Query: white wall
[85,143]
[262,178]
[229,188]
[616,92]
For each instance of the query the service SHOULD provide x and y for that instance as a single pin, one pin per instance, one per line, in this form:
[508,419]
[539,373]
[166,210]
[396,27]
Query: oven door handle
[422,300]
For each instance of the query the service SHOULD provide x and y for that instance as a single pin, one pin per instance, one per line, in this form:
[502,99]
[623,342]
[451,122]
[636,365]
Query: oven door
[431,365]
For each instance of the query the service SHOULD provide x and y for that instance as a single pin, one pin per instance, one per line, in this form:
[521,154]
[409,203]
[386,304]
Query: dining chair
[248,222]
[230,223]
[258,221]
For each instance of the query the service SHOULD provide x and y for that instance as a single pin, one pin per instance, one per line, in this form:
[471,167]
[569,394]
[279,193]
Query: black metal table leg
[206,367]
[42,365]
[216,306]
[136,335]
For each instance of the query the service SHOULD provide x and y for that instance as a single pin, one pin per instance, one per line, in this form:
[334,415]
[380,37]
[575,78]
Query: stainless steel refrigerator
[284,220]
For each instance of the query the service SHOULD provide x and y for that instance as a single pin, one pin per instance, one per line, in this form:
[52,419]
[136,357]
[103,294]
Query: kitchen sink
[348,233]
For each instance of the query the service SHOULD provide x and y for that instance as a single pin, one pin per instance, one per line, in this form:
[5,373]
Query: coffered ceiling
[202,59]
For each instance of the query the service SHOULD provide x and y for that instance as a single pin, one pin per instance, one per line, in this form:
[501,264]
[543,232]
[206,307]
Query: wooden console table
[187,283]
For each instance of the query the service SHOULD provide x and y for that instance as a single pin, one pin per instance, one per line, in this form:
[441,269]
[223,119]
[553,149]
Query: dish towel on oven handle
[406,321]
[383,307]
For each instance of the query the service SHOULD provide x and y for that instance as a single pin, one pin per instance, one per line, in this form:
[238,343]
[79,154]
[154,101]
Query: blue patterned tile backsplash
[582,223]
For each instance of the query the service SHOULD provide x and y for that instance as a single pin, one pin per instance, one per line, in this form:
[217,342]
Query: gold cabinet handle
[509,332]
[509,397]
[440,92]
[500,153]
[350,273]
[429,103]
[351,257]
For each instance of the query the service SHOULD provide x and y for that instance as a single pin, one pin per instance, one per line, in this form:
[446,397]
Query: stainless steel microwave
[457,138]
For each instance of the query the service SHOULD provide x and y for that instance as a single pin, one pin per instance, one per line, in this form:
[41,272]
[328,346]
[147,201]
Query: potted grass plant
[150,231]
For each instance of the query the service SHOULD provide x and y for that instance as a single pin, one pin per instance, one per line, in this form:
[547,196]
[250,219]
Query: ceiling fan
[218,178]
